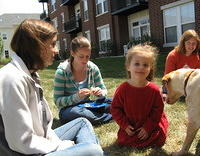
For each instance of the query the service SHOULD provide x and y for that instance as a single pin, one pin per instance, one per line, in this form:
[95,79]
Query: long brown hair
[187,35]
[146,49]
[29,40]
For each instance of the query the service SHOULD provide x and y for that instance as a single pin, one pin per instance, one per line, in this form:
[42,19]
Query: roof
[9,20]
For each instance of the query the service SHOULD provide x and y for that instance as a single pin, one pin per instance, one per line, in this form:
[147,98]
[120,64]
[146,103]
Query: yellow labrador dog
[185,82]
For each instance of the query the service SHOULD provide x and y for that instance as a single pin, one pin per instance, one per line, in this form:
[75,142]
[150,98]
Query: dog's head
[172,82]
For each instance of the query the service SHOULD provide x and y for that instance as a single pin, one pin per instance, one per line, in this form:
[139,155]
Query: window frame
[4,36]
[85,11]
[140,25]
[103,8]
[55,22]
[53,5]
[62,20]
[179,23]
[107,29]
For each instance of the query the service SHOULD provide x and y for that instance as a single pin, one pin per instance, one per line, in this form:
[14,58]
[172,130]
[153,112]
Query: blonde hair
[77,43]
[146,49]
[187,35]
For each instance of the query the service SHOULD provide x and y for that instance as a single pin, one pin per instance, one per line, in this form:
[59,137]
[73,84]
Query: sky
[20,6]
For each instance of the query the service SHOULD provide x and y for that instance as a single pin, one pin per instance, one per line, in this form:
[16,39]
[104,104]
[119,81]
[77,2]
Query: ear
[127,67]
[166,79]
[71,53]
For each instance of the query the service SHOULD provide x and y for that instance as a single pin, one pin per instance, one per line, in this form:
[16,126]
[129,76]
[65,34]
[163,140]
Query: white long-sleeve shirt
[21,111]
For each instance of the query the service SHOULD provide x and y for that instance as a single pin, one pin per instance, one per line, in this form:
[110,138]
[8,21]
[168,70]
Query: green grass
[113,72]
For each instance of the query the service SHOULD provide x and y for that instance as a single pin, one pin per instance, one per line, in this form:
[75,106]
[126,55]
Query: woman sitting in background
[75,81]
[186,54]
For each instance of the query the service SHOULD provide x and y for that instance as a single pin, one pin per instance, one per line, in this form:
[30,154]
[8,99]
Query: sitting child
[137,106]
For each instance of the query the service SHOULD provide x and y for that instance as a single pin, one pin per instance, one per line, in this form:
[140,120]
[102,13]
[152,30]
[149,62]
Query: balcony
[73,25]
[44,16]
[43,1]
[69,2]
[126,7]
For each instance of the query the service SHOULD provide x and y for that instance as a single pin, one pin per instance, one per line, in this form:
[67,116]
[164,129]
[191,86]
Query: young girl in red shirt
[137,105]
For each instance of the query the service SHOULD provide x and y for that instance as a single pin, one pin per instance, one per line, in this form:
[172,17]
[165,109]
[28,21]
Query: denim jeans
[95,116]
[81,132]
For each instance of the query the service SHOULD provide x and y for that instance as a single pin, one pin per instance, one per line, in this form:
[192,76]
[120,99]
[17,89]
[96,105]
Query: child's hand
[142,133]
[130,130]
[84,93]
[96,91]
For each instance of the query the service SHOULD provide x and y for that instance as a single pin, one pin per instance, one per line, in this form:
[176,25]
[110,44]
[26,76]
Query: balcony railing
[73,25]
[69,2]
[124,7]
[44,16]
[43,1]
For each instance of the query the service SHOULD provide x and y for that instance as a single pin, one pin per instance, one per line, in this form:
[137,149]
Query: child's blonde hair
[146,49]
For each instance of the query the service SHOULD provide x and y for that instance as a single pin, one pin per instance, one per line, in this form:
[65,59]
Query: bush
[139,40]
[1,47]
[4,60]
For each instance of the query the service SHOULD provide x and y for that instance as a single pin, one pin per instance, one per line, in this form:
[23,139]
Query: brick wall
[197,15]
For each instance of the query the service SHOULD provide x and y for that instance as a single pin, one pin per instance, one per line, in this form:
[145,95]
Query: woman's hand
[96,91]
[83,93]
[142,133]
[130,130]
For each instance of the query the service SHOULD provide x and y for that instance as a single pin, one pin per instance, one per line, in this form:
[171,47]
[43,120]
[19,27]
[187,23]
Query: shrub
[1,47]
[4,60]
[142,39]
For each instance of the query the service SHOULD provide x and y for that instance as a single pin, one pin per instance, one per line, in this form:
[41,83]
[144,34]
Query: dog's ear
[166,79]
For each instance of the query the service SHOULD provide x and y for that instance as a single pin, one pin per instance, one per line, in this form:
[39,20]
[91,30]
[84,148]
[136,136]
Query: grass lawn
[113,72]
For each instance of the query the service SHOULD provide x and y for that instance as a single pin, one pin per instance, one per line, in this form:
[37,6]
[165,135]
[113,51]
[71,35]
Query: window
[65,43]
[53,5]
[63,21]
[6,54]
[87,35]
[55,22]
[85,10]
[58,44]
[140,28]
[4,36]
[104,38]
[101,6]
[177,20]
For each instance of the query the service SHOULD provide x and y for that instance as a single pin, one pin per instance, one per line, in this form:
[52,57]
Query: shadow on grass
[114,149]
[56,123]
[158,152]
[197,152]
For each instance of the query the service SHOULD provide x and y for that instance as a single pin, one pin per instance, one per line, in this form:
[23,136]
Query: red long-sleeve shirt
[177,60]
[139,107]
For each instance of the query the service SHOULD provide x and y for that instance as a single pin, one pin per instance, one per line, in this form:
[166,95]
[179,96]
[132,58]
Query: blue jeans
[71,113]
[95,116]
[81,132]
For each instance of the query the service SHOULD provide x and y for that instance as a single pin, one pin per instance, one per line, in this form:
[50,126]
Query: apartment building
[111,24]
[103,22]
[8,25]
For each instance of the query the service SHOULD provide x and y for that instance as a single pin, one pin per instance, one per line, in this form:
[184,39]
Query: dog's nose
[170,101]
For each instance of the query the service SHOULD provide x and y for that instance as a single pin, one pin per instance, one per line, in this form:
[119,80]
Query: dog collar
[186,81]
